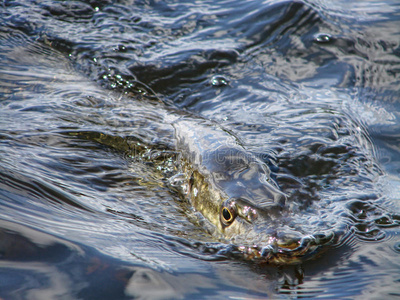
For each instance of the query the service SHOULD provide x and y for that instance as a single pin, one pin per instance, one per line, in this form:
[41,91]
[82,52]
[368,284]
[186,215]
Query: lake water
[87,152]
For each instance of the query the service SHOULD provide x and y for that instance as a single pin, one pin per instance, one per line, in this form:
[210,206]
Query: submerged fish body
[233,189]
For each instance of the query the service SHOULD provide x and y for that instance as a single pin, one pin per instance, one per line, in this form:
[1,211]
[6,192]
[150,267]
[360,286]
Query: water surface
[87,151]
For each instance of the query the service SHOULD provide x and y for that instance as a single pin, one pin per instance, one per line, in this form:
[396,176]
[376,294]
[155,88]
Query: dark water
[86,151]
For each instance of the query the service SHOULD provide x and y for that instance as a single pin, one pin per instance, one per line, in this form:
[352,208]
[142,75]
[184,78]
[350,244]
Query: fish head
[253,212]
[235,191]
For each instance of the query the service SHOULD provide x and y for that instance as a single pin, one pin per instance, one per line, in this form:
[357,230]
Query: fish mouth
[288,252]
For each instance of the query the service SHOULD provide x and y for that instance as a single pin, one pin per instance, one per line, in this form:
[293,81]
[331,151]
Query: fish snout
[290,250]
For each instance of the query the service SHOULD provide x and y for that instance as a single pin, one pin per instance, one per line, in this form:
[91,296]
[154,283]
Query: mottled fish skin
[233,189]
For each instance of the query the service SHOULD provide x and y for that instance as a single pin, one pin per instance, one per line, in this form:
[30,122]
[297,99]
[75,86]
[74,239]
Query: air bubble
[323,38]
[120,48]
[219,81]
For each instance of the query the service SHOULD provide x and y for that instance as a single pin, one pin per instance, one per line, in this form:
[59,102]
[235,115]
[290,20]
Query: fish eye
[227,215]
